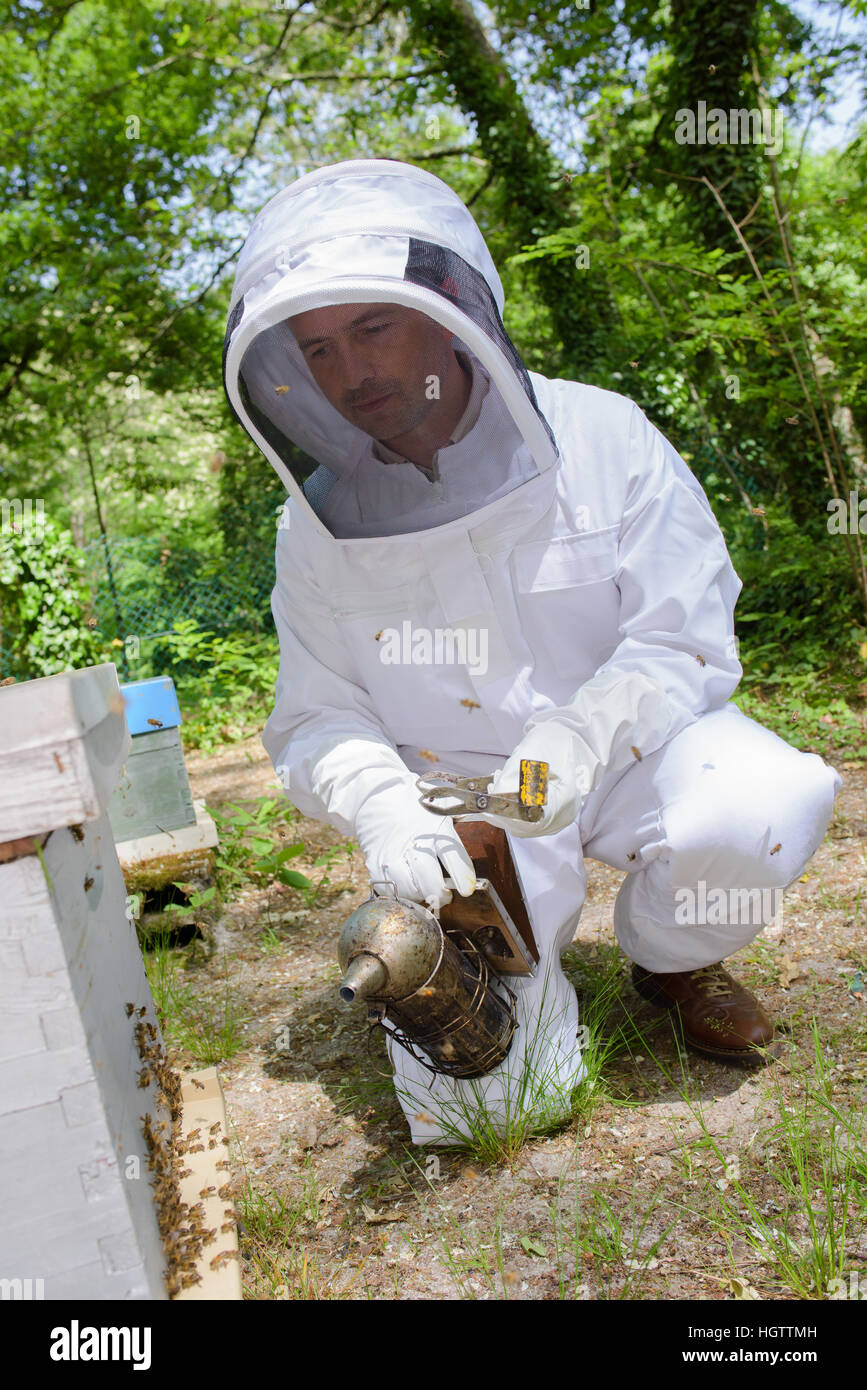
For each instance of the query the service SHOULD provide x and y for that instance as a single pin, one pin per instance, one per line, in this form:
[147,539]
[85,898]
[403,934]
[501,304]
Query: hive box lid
[63,740]
[151,704]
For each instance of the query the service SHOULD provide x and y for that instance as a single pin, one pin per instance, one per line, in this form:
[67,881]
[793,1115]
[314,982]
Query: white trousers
[706,830]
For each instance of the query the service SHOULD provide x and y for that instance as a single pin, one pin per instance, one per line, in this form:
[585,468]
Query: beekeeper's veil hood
[375,231]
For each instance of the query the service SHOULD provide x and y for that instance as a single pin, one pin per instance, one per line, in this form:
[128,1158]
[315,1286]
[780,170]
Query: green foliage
[249,854]
[802,641]
[225,683]
[195,900]
[43,602]
[803,707]
[798,596]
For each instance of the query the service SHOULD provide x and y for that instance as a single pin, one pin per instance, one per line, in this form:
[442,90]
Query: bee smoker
[436,993]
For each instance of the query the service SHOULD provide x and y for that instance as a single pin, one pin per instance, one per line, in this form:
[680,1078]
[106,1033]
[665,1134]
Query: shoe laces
[713,980]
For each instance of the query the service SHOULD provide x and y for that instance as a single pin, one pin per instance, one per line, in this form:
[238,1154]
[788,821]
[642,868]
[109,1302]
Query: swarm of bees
[182,1227]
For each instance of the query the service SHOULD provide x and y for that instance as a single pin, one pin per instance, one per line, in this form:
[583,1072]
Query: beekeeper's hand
[568,780]
[413,848]
[616,718]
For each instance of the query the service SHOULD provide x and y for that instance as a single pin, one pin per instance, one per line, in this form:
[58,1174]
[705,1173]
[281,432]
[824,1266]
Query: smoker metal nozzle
[366,976]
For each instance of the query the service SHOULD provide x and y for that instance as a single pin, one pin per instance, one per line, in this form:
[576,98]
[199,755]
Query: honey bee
[379,634]
[212,1143]
[129,1009]
[426,753]
[280,390]
[88,884]
[777,847]
[196,1149]
[700,659]
[223,1258]
[194,1133]
[226,1227]
[635,753]
[143,1010]
[157,723]
[207,1191]
[214,1127]
[200,1085]
[77,833]
[57,759]
[630,857]
[471,704]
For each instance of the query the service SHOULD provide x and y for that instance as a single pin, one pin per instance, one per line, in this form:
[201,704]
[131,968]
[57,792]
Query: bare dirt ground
[337,1203]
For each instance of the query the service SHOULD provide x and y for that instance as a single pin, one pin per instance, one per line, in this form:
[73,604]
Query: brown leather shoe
[719,1017]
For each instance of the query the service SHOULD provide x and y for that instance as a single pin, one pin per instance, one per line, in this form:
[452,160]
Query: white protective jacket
[563,527]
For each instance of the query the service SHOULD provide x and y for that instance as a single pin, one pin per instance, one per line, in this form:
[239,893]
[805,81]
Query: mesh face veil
[378,233]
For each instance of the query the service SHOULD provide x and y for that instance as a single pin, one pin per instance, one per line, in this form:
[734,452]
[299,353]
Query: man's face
[373,363]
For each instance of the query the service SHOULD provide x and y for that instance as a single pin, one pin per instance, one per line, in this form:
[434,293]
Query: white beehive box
[77,1216]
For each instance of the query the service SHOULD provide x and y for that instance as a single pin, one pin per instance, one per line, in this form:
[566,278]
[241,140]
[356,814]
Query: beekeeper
[477,564]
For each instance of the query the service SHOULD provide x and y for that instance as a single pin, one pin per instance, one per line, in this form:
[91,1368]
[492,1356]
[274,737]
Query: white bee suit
[562,528]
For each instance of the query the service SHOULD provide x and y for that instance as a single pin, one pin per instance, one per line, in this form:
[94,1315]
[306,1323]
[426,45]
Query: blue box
[151,705]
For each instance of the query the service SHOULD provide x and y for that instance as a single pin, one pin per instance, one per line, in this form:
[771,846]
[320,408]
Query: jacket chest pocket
[568,600]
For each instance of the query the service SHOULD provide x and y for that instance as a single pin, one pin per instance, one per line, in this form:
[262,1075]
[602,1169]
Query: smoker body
[436,995]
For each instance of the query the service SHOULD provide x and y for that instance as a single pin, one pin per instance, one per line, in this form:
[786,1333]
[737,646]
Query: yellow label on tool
[533,784]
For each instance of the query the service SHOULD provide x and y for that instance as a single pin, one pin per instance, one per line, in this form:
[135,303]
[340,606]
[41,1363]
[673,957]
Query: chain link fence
[142,586]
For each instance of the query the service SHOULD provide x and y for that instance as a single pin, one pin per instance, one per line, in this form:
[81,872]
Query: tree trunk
[532,194]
